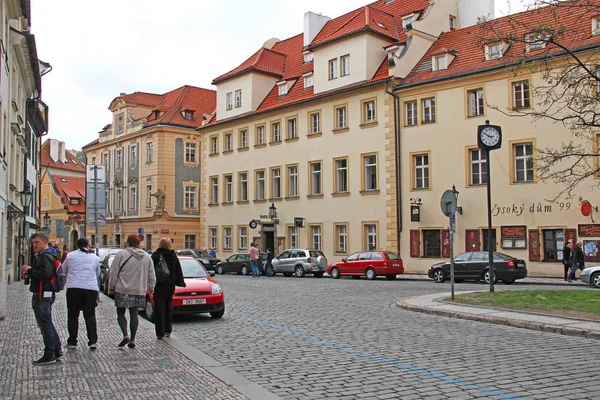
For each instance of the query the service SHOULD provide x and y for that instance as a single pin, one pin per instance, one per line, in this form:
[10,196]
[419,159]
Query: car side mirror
[212,273]
[343,260]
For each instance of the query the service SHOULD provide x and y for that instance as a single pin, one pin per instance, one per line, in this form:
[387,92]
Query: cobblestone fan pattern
[153,370]
[311,338]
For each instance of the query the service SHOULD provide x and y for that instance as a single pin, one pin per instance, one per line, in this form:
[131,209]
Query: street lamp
[26,197]
[272,211]
[47,221]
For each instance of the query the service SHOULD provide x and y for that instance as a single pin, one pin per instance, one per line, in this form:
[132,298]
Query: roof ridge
[258,56]
[367,17]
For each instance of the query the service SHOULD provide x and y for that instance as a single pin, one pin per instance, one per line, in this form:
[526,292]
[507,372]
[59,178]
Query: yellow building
[151,151]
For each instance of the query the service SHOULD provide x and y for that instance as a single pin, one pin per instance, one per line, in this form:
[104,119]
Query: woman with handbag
[132,274]
[165,286]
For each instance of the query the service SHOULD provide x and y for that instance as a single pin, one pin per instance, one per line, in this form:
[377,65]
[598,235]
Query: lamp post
[47,222]
[272,211]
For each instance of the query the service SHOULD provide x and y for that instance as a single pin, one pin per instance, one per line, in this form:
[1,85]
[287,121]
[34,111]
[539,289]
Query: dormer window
[409,19]
[74,201]
[440,63]
[379,24]
[308,81]
[188,115]
[535,41]
[229,101]
[283,89]
[119,123]
[453,22]
[596,25]
[494,51]
[156,114]
[309,56]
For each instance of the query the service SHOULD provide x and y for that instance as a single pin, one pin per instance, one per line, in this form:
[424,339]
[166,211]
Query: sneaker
[44,360]
[71,346]
[131,345]
[124,342]
[168,334]
[160,337]
[59,356]
[92,346]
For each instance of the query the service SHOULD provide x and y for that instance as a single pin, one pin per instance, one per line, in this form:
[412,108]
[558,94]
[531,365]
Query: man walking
[254,257]
[577,260]
[567,258]
[40,274]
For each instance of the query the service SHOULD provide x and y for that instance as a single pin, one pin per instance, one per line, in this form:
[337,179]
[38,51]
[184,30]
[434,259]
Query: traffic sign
[140,231]
[448,203]
[141,236]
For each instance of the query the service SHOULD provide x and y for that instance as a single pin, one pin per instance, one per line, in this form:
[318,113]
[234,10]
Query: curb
[549,282]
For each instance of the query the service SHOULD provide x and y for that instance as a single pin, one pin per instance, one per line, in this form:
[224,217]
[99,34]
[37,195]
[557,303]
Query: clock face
[490,136]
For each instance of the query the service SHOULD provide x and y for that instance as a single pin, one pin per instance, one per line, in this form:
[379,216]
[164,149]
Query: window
[190,197]
[421,171]
[428,110]
[535,41]
[94,160]
[243,138]
[119,159]
[243,188]
[308,57]
[292,173]
[148,196]
[341,175]
[119,123]
[520,95]
[260,185]
[409,19]
[275,132]
[523,162]
[475,101]
[315,122]
[226,238]
[333,69]
[346,65]
[133,155]
[283,89]
[596,26]
[276,183]
[478,163]
[370,236]
[228,142]
[368,114]
[494,51]
[293,237]
[291,124]
[190,152]
[411,113]
[315,237]
[432,243]
[596,81]
[229,101]
[341,117]
[341,238]
[133,197]
[440,63]
[228,188]
[214,145]
[212,234]
[189,241]
[105,157]
[118,240]
[260,135]
[238,98]
[308,81]
[149,152]
[370,172]
[452,21]
[214,190]
[119,199]
[104,240]
[315,178]
[243,238]
[554,242]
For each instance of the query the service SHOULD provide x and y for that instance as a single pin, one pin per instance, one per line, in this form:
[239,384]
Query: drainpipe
[397,124]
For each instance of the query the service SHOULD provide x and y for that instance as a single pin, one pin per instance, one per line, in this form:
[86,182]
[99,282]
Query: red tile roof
[143,99]
[468,44]
[70,187]
[264,60]
[71,163]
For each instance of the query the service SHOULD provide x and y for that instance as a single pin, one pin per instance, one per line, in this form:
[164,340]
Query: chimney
[54,149]
[469,11]
[62,157]
[313,23]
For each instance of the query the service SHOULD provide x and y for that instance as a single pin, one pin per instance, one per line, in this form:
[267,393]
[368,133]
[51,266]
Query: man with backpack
[40,274]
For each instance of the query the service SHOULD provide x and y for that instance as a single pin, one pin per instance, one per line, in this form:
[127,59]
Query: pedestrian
[82,268]
[269,264]
[567,250]
[40,274]
[254,257]
[577,260]
[57,249]
[213,253]
[163,291]
[132,275]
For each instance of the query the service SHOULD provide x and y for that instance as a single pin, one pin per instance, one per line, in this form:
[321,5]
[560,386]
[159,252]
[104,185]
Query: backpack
[59,279]
[161,270]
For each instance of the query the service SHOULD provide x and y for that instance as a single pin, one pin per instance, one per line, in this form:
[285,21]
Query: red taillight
[308,260]
[511,264]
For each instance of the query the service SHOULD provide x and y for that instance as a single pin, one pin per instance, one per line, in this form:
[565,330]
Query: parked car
[300,262]
[474,266]
[105,251]
[202,293]
[240,264]
[209,262]
[104,269]
[368,263]
[591,275]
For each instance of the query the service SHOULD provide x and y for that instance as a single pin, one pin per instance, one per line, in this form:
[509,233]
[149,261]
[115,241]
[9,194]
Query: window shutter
[445,243]
[570,234]
[415,243]
[472,239]
[534,245]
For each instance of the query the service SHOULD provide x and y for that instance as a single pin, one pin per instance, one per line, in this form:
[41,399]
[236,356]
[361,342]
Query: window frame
[149,152]
[228,188]
[229,101]
[336,116]
[333,69]
[311,176]
[257,129]
[424,245]
[513,160]
[345,71]
[337,235]
[364,111]
[243,141]
[292,232]
[243,187]
[436,62]
[479,98]
[535,42]
[242,243]
[227,247]
[526,102]
[289,131]
[133,159]
[274,131]
[311,242]
[257,185]
[133,197]
[432,114]
[272,185]
[238,98]
[214,190]
[309,81]
[190,153]
[336,177]
[311,125]
[213,240]
[480,162]
[413,169]
[365,234]
[288,180]
[415,116]
[227,142]
[190,199]
[214,145]
[364,189]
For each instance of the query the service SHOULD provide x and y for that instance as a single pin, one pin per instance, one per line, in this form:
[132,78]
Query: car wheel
[299,271]
[218,314]
[486,276]
[335,273]
[370,274]
[318,274]
[244,270]
[287,274]
[271,271]
[220,270]
[439,276]
[509,281]
[390,277]
[595,280]
[149,310]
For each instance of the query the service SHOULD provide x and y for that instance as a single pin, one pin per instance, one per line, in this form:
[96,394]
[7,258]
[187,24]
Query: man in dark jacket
[567,250]
[163,291]
[40,274]
[577,259]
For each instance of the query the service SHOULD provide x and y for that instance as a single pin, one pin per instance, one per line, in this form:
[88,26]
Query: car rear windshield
[192,268]
[392,256]
[316,253]
[503,256]
[202,253]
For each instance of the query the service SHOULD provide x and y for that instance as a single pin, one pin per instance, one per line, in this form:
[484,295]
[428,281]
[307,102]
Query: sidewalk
[526,281]
[155,369]
[435,304]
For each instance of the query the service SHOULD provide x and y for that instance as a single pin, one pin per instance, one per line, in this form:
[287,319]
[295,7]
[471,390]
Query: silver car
[591,275]
[300,262]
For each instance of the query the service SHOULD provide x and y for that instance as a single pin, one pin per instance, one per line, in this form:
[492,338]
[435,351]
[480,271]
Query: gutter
[397,137]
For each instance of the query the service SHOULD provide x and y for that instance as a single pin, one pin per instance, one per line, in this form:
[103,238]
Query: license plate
[194,301]
[521,265]
[395,265]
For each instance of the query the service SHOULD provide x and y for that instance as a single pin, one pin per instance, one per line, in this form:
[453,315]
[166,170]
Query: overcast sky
[99,49]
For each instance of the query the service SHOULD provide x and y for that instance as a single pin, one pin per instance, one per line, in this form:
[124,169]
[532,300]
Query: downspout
[398,160]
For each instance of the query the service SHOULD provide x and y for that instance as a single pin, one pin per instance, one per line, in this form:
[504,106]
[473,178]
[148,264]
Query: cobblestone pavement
[316,338]
[153,370]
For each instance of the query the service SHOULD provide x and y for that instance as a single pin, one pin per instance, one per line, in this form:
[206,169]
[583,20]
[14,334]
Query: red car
[368,263]
[202,293]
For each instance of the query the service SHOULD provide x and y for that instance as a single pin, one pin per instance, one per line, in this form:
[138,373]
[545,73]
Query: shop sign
[519,231]
[533,208]
[415,214]
[164,231]
[588,230]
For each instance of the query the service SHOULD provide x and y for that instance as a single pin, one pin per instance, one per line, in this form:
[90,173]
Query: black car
[240,264]
[104,271]
[209,262]
[474,266]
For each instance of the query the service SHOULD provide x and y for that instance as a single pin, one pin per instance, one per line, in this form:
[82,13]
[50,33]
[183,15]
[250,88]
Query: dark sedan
[240,264]
[209,262]
[474,266]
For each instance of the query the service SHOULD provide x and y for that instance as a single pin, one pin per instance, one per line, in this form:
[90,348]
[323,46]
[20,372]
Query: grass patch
[561,302]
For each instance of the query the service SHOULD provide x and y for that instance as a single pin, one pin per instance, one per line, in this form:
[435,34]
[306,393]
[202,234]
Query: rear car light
[308,260]
[511,264]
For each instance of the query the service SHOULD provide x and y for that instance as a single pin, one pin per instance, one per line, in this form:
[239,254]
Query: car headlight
[216,288]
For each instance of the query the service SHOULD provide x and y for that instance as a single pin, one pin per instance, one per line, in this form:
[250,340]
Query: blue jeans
[574,269]
[255,270]
[42,308]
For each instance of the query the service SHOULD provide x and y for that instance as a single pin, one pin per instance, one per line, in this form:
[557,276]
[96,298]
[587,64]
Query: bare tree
[555,39]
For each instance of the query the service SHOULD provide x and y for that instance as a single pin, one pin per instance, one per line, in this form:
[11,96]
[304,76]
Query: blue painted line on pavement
[389,361]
